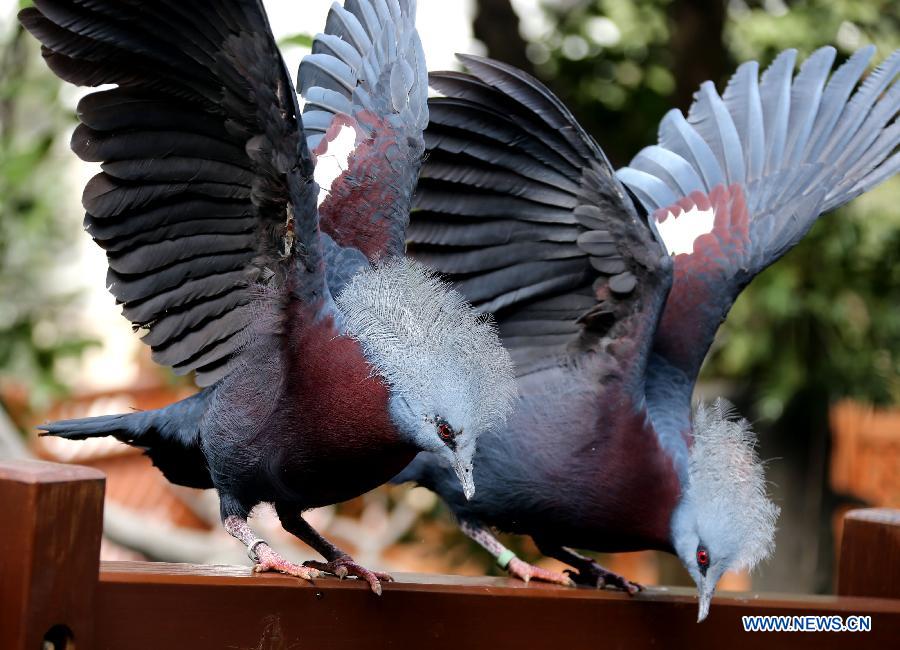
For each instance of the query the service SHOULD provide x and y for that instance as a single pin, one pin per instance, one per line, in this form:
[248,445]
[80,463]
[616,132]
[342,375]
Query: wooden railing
[56,595]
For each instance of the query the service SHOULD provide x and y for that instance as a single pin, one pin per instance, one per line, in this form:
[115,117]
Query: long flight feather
[743,102]
[775,93]
[711,119]
[806,93]
[677,135]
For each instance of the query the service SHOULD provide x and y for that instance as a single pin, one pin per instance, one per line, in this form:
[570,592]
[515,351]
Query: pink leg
[527,572]
[264,557]
[506,559]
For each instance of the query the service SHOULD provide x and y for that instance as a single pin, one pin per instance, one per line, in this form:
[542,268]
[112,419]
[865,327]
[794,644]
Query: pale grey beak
[705,591]
[464,473]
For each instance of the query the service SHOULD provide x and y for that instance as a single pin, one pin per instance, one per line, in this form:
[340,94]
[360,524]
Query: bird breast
[337,420]
[305,422]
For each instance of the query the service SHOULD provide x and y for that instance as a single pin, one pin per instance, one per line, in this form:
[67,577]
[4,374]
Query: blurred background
[810,352]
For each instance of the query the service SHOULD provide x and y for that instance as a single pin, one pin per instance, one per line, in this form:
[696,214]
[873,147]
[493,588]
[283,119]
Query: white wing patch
[680,232]
[332,162]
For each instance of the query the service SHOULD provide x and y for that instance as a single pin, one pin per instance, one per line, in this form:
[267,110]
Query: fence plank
[870,554]
[49,554]
[143,606]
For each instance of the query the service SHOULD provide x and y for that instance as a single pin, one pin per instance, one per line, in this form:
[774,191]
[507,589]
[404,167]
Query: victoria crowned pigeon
[327,359]
[609,305]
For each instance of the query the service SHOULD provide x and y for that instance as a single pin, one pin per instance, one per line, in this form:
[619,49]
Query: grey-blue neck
[668,392]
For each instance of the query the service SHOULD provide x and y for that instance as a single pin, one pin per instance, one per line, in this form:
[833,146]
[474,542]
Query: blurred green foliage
[299,40]
[759,30]
[610,62]
[828,314]
[36,229]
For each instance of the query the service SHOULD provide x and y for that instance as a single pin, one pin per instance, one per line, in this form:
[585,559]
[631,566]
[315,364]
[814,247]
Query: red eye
[445,432]
[703,557]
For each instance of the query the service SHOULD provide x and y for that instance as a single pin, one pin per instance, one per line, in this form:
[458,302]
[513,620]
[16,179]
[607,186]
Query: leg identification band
[505,558]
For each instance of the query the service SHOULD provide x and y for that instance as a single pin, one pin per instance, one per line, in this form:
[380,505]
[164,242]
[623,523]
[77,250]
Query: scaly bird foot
[596,576]
[345,566]
[527,572]
[268,560]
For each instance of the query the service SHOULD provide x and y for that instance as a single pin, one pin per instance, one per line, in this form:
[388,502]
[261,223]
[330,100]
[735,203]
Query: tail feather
[169,436]
[126,427]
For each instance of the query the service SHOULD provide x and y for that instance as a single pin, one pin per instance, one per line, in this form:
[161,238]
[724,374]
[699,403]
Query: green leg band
[505,558]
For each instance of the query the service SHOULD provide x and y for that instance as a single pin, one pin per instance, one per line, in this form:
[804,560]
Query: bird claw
[345,566]
[596,576]
[268,560]
[526,572]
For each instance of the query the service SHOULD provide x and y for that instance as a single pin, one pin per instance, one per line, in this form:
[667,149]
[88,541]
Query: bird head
[449,377]
[724,520]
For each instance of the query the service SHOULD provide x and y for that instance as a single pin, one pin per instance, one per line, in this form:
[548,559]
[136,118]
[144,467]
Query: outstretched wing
[743,178]
[521,209]
[366,77]
[202,162]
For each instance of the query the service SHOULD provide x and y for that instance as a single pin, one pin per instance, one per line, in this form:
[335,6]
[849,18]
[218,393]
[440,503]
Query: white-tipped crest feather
[424,339]
[727,486]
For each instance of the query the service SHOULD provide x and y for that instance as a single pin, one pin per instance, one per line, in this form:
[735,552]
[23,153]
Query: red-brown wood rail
[52,596]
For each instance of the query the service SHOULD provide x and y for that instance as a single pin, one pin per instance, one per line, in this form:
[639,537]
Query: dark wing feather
[521,209]
[367,73]
[202,154]
[761,165]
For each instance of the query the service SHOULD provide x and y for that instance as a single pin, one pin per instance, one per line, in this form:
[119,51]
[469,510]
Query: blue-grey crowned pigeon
[328,360]
[609,305]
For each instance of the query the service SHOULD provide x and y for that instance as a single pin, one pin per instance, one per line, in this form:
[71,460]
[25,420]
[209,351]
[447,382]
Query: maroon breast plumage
[339,412]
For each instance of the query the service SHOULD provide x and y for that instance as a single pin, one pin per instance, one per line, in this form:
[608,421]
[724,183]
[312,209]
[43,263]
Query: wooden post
[870,554]
[52,520]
